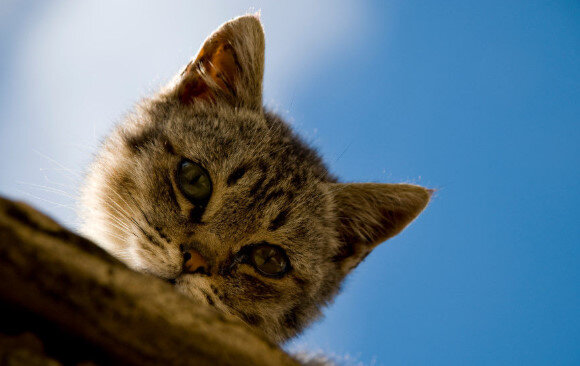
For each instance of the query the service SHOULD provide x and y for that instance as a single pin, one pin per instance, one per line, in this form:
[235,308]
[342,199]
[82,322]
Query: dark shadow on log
[63,300]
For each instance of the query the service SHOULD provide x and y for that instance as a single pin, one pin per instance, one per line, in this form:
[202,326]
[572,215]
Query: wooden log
[63,288]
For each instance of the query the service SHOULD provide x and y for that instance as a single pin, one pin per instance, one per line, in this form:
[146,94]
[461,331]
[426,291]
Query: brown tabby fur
[267,186]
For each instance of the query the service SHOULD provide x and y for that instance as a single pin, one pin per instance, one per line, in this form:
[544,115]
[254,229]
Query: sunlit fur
[268,186]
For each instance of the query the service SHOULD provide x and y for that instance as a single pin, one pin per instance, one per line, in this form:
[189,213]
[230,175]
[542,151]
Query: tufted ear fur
[229,66]
[370,213]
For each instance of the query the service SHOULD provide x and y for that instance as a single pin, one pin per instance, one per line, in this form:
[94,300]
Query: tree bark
[85,307]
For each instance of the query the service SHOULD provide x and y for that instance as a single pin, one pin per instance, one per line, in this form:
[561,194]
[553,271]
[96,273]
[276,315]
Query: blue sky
[479,100]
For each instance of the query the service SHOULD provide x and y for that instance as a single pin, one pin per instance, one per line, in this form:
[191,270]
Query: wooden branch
[64,289]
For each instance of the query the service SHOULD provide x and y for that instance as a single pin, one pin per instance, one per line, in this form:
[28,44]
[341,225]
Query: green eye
[269,260]
[194,182]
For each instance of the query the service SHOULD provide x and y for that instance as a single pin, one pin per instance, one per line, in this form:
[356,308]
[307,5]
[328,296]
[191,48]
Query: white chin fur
[196,287]
[191,286]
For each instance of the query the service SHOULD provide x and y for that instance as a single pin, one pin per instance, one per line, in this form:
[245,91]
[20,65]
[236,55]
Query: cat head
[204,188]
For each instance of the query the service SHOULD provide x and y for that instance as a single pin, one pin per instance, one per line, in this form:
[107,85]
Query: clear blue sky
[478,99]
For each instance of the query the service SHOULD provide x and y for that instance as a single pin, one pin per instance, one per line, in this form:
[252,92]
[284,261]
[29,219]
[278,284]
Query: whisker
[119,209]
[47,201]
[107,204]
[127,214]
[143,231]
[48,189]
[110,233]
[68,170]
[139,208]
[51,181]
[120,225]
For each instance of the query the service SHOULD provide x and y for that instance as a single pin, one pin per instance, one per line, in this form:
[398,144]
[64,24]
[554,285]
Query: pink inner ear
[224,67]
[193,87]
[218,61]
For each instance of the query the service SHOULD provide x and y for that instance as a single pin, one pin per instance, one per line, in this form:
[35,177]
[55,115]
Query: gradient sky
[478,99]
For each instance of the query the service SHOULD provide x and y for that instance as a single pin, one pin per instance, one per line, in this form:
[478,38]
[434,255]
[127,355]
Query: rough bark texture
[63,300]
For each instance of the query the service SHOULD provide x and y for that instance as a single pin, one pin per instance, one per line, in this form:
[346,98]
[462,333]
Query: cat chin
[197,287]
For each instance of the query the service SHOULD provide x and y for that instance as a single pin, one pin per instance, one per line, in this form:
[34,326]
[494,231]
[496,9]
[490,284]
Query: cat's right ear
[229,67]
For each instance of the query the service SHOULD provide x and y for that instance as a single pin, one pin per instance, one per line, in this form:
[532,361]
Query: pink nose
[193,262]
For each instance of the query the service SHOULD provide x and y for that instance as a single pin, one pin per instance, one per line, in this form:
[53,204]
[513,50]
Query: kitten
[203,187]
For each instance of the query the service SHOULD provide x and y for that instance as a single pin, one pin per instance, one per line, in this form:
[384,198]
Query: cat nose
[193,262]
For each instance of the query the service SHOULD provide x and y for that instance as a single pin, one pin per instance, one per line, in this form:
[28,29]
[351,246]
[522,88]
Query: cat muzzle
[194,262]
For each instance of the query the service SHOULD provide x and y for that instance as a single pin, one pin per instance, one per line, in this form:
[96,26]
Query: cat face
[204,188]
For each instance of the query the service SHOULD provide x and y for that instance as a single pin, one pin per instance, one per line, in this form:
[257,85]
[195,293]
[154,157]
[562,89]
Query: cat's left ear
[370,213]
[229,66]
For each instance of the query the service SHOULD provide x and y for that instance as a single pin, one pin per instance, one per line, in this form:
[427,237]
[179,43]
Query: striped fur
[268,186]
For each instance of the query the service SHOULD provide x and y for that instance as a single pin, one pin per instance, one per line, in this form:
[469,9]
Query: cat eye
[269,260]
[193,181]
